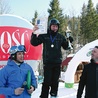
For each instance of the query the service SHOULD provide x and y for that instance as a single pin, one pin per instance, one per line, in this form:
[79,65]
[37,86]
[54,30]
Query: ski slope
[62,91]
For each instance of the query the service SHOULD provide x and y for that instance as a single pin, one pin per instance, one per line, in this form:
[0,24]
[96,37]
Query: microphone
[24,84]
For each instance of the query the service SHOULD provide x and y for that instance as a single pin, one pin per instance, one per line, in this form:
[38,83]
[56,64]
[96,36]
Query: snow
[62,91]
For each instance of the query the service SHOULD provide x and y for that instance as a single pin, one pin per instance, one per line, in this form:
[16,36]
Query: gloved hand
[70,39]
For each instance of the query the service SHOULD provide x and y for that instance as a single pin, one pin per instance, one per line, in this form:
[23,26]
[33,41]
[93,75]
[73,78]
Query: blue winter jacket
[12,77]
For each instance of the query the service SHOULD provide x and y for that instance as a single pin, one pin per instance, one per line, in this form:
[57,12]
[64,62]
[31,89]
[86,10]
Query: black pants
[51,77]
[96,81]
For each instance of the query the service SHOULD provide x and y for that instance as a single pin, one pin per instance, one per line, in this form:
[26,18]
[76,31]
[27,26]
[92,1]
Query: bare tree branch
[4,7]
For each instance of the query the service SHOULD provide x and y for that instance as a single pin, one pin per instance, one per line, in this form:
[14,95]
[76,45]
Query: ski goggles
[15,49]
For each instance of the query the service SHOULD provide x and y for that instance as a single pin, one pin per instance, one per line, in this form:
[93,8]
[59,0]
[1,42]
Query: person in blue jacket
[13,76]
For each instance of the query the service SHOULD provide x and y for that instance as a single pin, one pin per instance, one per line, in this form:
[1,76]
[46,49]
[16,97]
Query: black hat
[54,21]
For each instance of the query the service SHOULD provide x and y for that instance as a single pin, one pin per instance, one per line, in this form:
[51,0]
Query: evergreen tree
[34,19]
[83,24]
[88,23]
[56,12]
[90,20]
[97,8]
[96,22]
[74,25]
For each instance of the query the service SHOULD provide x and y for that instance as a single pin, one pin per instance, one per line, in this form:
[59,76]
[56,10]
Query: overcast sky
[26,8]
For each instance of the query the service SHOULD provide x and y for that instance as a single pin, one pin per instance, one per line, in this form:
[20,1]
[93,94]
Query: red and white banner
[15,30]
[10,36]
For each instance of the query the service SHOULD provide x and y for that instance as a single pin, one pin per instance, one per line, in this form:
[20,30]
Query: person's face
[94,54]
[54,28]
[20,56]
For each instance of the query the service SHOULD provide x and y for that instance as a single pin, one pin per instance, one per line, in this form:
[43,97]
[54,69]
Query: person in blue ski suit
[13,76]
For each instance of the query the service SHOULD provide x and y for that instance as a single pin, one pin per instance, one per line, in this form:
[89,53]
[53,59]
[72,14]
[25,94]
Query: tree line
[84,28]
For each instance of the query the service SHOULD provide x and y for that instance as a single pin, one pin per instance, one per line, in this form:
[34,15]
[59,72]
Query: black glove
[24,84]
[70,39]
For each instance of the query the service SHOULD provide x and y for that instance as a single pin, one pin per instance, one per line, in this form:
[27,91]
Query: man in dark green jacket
[89,77]
[52,56]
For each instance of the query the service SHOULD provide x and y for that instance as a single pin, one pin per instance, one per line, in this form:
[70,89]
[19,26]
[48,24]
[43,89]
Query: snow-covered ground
[62,91]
